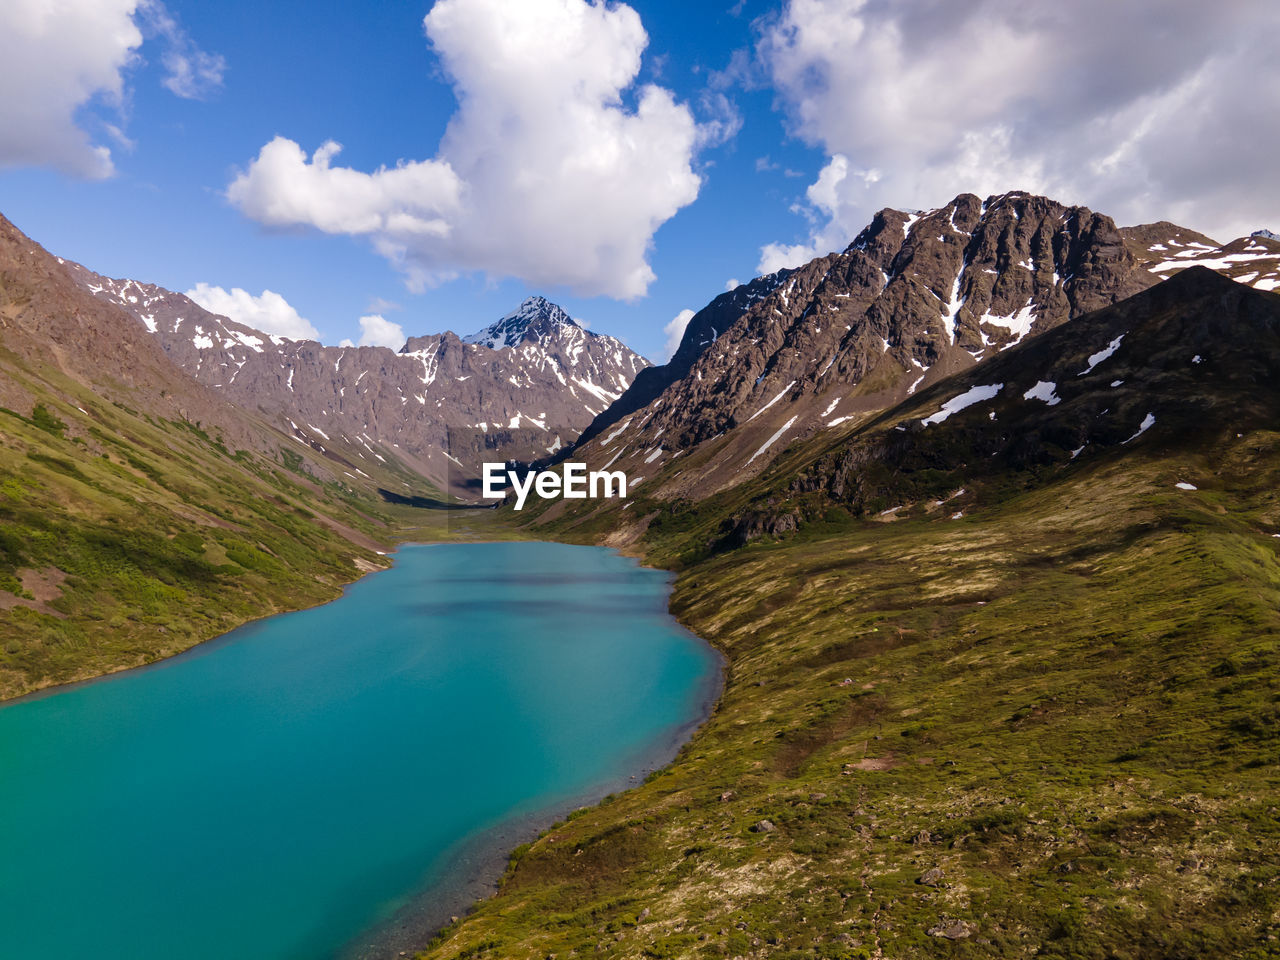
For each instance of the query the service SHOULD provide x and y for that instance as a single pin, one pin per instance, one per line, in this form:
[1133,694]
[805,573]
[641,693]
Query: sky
[363,173]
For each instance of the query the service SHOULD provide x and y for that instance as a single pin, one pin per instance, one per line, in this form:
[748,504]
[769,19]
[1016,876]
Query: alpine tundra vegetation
[973,488]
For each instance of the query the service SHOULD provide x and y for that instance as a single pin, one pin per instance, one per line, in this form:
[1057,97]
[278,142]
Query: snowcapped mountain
[534,319]
[440,406]
[915,298]
[1253,260]
[1179,368]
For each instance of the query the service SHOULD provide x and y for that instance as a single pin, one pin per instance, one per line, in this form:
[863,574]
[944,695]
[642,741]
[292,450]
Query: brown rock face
[523,388]
[49,323]
[915,298]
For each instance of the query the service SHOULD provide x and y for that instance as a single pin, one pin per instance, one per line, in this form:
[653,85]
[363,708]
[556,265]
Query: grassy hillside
[140,512]
[1068,705]
[125,538]
[1037,718]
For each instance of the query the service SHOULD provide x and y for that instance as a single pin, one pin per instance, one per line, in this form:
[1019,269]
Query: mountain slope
[1044,727]
[915,298]
[703,329]
[141,512]
[521,388]
[1165,249]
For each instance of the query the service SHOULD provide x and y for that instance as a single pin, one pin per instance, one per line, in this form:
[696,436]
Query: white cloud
[1141,111]
[733,283]
[778,256]
[268,312]
[191,73]
[725,122]
[381,305]
[61,61]
[378,331]
[54,59]
[543,172]
[674,331]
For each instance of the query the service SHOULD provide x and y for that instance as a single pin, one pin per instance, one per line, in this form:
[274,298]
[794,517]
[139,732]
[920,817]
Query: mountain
[521,388]
[703,329]
[914,298]
[1164,250]
[1001,673]
[533,320]
[1188,365]
[142,512]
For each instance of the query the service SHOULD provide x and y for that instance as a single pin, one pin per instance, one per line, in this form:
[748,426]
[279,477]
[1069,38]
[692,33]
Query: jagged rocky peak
[916,297]
[439,406]
[534,319]
[1265,234]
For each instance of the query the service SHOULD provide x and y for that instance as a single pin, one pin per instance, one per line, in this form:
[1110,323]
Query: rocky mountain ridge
[915,298]
[1189,363]
[441,405]
[535,319]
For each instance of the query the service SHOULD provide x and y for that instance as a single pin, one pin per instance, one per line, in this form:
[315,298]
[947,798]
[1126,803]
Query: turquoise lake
[292,788]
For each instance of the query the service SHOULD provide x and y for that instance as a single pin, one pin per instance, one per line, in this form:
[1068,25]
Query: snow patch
[1148,422]
[1043,390]
[772,440]
[1103,354]
[967,399]
[781,394]
[617,430]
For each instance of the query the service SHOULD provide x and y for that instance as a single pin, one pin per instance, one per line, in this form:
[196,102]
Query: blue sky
[703,142]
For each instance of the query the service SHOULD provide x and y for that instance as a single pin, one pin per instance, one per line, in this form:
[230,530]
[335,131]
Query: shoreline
[211,643]
[200,646]
[472,870]
[411,927]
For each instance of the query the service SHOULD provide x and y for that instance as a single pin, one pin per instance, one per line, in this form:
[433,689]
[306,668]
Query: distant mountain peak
[1265,233]
[532,320]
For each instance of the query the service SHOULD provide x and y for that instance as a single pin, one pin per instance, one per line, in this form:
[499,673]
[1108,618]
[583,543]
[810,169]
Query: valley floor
[1047,729]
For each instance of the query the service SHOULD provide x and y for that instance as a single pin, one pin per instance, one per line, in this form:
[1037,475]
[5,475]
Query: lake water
[282,791]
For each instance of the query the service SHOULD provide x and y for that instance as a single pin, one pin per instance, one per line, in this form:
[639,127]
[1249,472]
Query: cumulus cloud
[543,172]
[733,283]
[1141,111]
[55,58]
[268,312]
[778,256]
[675,331]
[59,61]
[378,331]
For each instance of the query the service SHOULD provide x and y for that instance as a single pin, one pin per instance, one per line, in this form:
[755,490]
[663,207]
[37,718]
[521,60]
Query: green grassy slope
[141,513]
[126,537]
[1068,704]
[1048,727]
